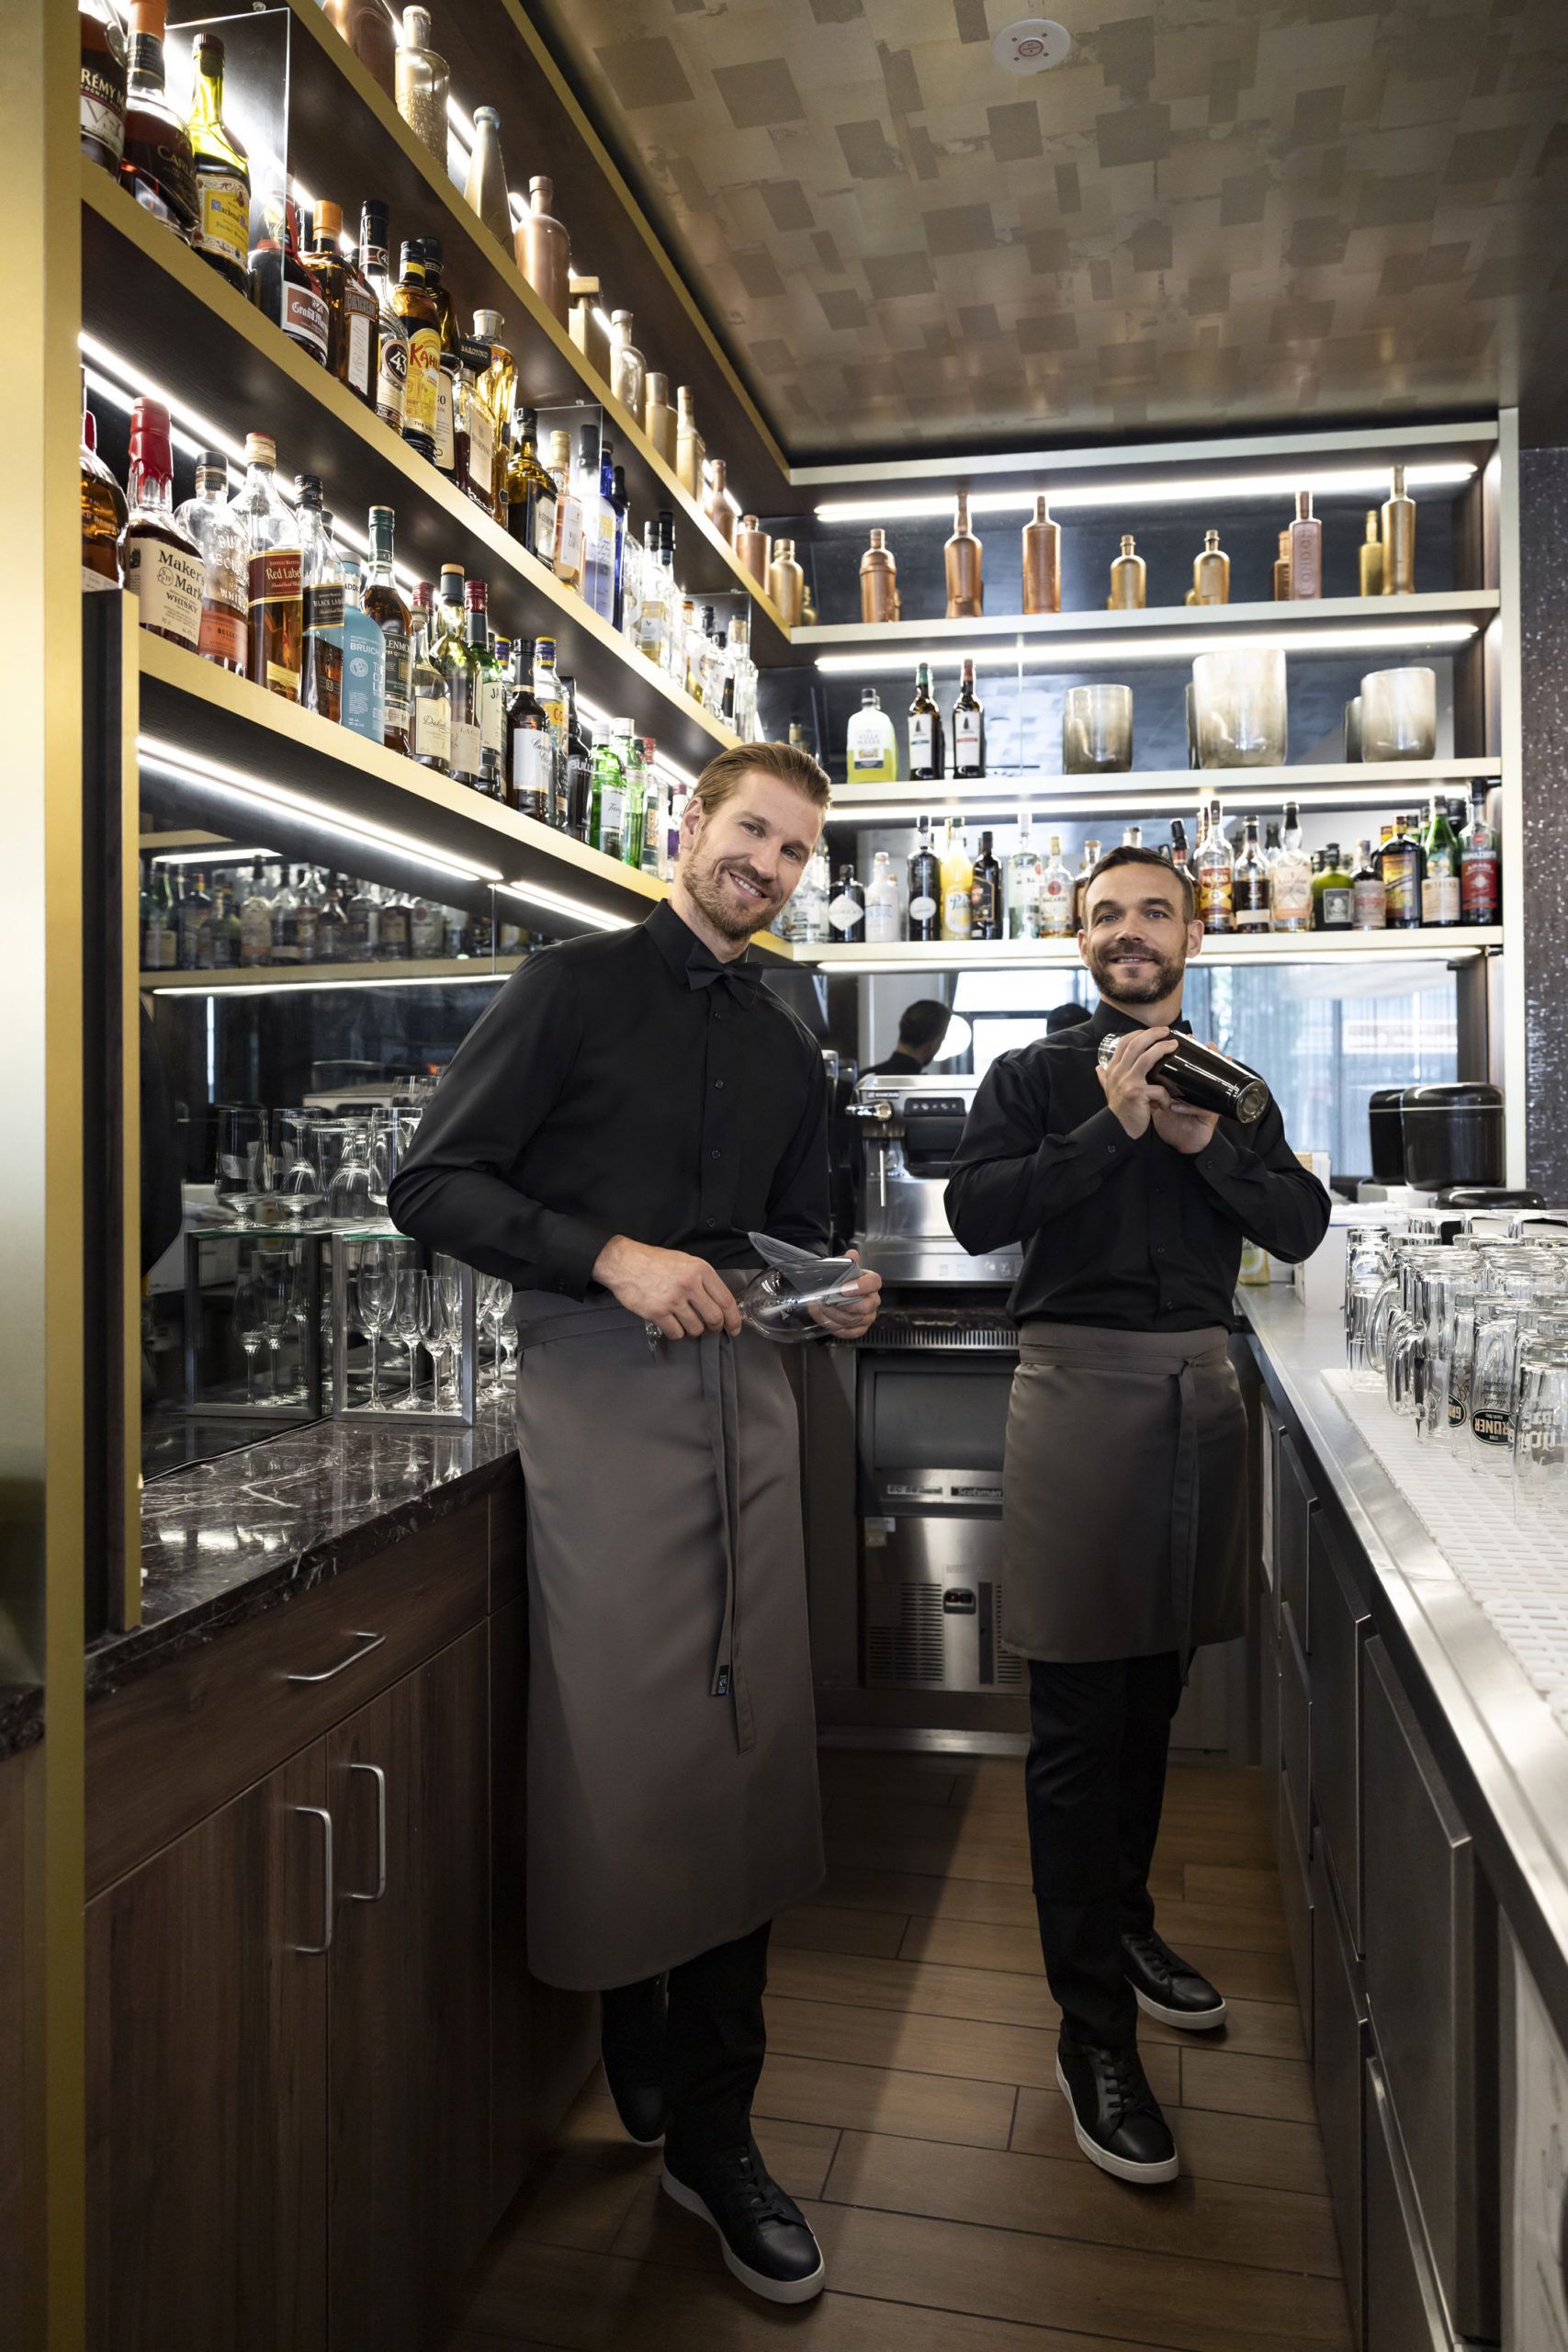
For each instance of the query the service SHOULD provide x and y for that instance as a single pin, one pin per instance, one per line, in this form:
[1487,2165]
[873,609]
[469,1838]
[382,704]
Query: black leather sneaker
[1116,2117]
[631,2042]
[1169,1987]
[766,2238]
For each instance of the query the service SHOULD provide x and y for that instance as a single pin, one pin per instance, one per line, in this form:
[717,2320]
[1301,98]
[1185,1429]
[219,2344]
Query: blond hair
[727,769]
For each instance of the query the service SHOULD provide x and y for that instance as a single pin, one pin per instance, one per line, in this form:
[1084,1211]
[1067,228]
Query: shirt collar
[694,962]
[1110,1021]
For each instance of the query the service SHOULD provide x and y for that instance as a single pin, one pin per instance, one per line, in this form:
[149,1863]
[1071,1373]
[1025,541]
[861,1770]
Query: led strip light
[1062,651]
[1357,481]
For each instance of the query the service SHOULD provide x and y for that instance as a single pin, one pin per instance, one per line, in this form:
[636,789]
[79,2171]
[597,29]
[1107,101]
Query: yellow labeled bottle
[957,885]
[1129,578]
[1211,573]
[1371,556]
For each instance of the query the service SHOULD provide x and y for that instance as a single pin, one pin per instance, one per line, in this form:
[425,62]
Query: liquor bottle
[574,776]
[1480,892]
[654,618]
[634,810]
[351,309]
[968,727]
[957,881]
[1271,843]
[1216,876]
[1370,556]
[388,610]
[925,888]
[162,563]
[156,164]
[1211,572]
[1333,894]
[1282,569]
[389,336]
[1041,562]
[1088,859]
[1369,893]
[454,659]
[1131,837]
[490,690]
[255,919]
[1440,874]
[882,903]
[361,924]
[1400,860]
[1129,578]
[658,418]
[394,927]
[415,306]
[925,730]
[1179,855]
[559,710]
[1058,896]
[627,576]
[484,190]
[961,565]
[332,925]
[430,715]
[1398,539]
[321,667]
[656,813]
[986,894]
[713,671]
[567,555]
[449,459]
[273,586]
[423,85]
[786,583]
[489,410]
[427,933]
[285,912]
[363,659]
[281,287]
[1250,897]
[1290,878]
[158,951]
[1306,551]
[103,510]
[1025,876]
[742,682]
[543,254]
[607,805]
[371,33]
[225,932]
[223,170]
[530,749]
[225,555]
[878,581]
[603,566]
[103,85]
[584,482]
[846,911]
[871,747]
[530,491]
[192,915]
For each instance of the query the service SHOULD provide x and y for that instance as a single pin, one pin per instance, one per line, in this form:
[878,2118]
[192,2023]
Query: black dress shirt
[1120,1231]
[625,1083]
[899,1065]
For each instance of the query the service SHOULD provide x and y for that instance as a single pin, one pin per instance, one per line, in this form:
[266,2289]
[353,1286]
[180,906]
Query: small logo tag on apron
[721,1688]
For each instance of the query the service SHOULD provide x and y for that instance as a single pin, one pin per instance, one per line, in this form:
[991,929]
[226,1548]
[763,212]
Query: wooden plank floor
[909,2102]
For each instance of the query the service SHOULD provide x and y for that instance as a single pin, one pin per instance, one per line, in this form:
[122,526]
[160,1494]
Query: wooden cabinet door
[409,2108]
[207,2084]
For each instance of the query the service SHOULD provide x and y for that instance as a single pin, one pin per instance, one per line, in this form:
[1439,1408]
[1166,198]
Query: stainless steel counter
[1505,1754]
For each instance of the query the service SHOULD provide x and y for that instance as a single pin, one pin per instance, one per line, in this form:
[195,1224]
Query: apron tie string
[1184,1512]
[721,1404]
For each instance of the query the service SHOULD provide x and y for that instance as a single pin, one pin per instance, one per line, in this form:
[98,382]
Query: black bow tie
[742,979]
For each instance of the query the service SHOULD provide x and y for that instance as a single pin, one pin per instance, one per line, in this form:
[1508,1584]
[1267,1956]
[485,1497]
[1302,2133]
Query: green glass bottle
[635,768]
[606,816]
[1440,874]
[1333,893]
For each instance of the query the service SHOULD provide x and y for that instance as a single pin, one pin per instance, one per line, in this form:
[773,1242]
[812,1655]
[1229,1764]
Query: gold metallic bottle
[689,445]
[544,256]
[1211,573]
[658,417]
[715,499]
[1282,569]
[1041,562]
[1129,578]
[786,583]
[878,581]
[1371,556]
[486,187]
[424,83]
[965,596]
[755,549]
[1398,539]
[372,36]
[586,323]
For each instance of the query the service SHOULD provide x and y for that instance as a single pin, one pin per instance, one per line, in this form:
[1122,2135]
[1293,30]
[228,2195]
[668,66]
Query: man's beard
[705,884]
[1158,978]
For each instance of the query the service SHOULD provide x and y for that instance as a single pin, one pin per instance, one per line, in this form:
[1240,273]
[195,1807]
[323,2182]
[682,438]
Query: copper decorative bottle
[1371,555]
[1129,578]
[544,252]
[1398,539]
[1210,573]
[1041,562]
[658,417]
[786,583]
[878,581]
[1282,569]
[371,34]
[755,549]
[960,557]
[715,499]
[689,445]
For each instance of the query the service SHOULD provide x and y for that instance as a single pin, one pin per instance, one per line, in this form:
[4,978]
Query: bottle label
[544,540]
[983,903]
[920,742]
[569,537]
[1215,898]
[1368,906]
[255,932]
[482,451]
[103,108]
[465,752]
[966,737]
[843,912]
[1293,893]
[445,437]
[1249,903]
[167,584]
[1493,1429]
[433,729]
[169,194]
[305,318]
[360,343]
[1478,886]
[921,908]
[273,581]
[221,636]
[396,646]
[1399,873]
[323,612]
[224,225]
[612,818]
[881,919]
[392,376]
[1338,905]
[533,772]
[419,390]
[492,720]
[1439,895]
[956,913]
[364,675]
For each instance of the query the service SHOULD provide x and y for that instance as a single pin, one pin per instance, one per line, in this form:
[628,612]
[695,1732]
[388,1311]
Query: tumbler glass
[1097,729]
[1399,713]
[241,1125]
[1541,1422]
[1240,702]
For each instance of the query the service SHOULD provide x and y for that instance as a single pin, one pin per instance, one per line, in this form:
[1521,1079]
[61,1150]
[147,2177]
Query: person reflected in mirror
[922,1030]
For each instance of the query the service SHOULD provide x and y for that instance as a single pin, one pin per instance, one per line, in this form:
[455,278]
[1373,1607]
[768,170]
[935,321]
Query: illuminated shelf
[1342,784]
[172,322]
[1267,948]
[264,980]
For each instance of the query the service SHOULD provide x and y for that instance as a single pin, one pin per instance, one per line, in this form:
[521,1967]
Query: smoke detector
[1031,46]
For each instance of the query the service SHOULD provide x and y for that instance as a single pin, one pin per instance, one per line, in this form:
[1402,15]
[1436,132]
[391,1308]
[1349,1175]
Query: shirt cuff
[1218,1158]
[573,1249]
[1102,1137]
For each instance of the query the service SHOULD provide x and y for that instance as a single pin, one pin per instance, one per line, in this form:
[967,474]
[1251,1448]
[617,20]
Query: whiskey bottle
[1400,860]
[1041,562]
[162,562]
[566,557]
[531,492]
[1333,894]
[1216,876]
[1480,890]
[222,171]
[968,727]
[1370,556]
[386,609]
[962,564]
[925,888]
[156,164]
[495,385]
[1250,896]
[389,343]
[281,287]
[225,595]
[1211,572]
[415,306]
[274,586]
[1306,551]
[453,656]
[925,730]
[363,710]
[431,254]
[321,669]
[430,719]
[1129,578]
[446,451]
[986,894]
[350,306]
[103,85]
[103,511]
[530,748]
[1369,893]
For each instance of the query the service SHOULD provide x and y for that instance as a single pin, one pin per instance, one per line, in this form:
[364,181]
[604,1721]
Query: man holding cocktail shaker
[1131,1163]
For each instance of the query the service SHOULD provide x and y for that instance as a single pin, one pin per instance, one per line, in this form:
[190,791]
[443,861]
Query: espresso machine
[908,1131]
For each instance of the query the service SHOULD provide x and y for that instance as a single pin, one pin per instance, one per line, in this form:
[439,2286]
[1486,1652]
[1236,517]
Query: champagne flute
[447,1279]
[376,1291]
[433,1330]
[248,1324]
[273,1290]
[407,1325]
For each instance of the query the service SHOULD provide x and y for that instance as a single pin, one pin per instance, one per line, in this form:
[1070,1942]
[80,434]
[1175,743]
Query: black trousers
[1095,1782]
[701,2032]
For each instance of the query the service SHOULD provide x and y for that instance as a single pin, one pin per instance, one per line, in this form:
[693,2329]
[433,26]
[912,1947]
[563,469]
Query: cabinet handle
[367,1642]
[352,1894]
[329,1901]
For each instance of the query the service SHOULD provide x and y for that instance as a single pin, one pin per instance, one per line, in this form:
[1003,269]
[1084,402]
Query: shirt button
[718,1155]
[717,1083]
[712,1222]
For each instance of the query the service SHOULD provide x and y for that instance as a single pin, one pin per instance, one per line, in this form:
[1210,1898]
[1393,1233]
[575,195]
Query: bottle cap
[149,438]
[328,218]
[487,114]
[475,594]
[373,215]
[381,521]
[622,319]
[487,323]
[211,461]
[207,54]
[560,447]
[451,584]
[261,449]
[545,651]
[413,260]
[308,488]
[474,352]
[656,389]
[542,190]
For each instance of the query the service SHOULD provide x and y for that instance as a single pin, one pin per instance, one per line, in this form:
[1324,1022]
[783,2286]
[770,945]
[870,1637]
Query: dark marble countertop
[22,1716]
[224,1540]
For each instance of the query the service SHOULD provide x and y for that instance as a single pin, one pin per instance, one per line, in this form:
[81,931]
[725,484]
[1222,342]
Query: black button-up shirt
[1120,1231]
[625,1083]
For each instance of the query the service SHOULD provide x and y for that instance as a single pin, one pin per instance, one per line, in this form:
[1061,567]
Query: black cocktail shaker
[1204,1077]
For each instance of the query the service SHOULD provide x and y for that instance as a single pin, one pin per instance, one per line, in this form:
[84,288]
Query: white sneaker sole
[1190,2020]
[1120,2167]
[771,2290]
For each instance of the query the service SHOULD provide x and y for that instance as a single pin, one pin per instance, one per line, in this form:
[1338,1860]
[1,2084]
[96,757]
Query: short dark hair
[783,760]
[1124,854]
[923,1023]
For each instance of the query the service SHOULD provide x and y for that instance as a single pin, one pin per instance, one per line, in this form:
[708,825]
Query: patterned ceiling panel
[1241,209]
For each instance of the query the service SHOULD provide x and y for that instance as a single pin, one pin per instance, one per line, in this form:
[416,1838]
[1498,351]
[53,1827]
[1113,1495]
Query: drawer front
[189,1736]
[1295,1501]
[508,1543]
[1268,1700]
[1339,2068]
[1295,1890]
[1430,1943]
[1403,2310]
[1295,1730]
[1339,1625]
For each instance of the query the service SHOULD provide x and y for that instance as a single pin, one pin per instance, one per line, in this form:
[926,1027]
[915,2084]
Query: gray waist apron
[672,1738]
[1124,1495]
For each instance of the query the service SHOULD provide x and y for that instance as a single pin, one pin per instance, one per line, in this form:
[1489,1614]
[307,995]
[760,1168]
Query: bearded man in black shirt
[629,1111]
[1125,1475]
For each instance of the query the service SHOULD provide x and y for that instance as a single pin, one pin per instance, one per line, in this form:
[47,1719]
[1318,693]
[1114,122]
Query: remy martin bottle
[1041,562]
[1371,556]
[962,557]
[1398,539]
[1129,578]
[1211,573]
